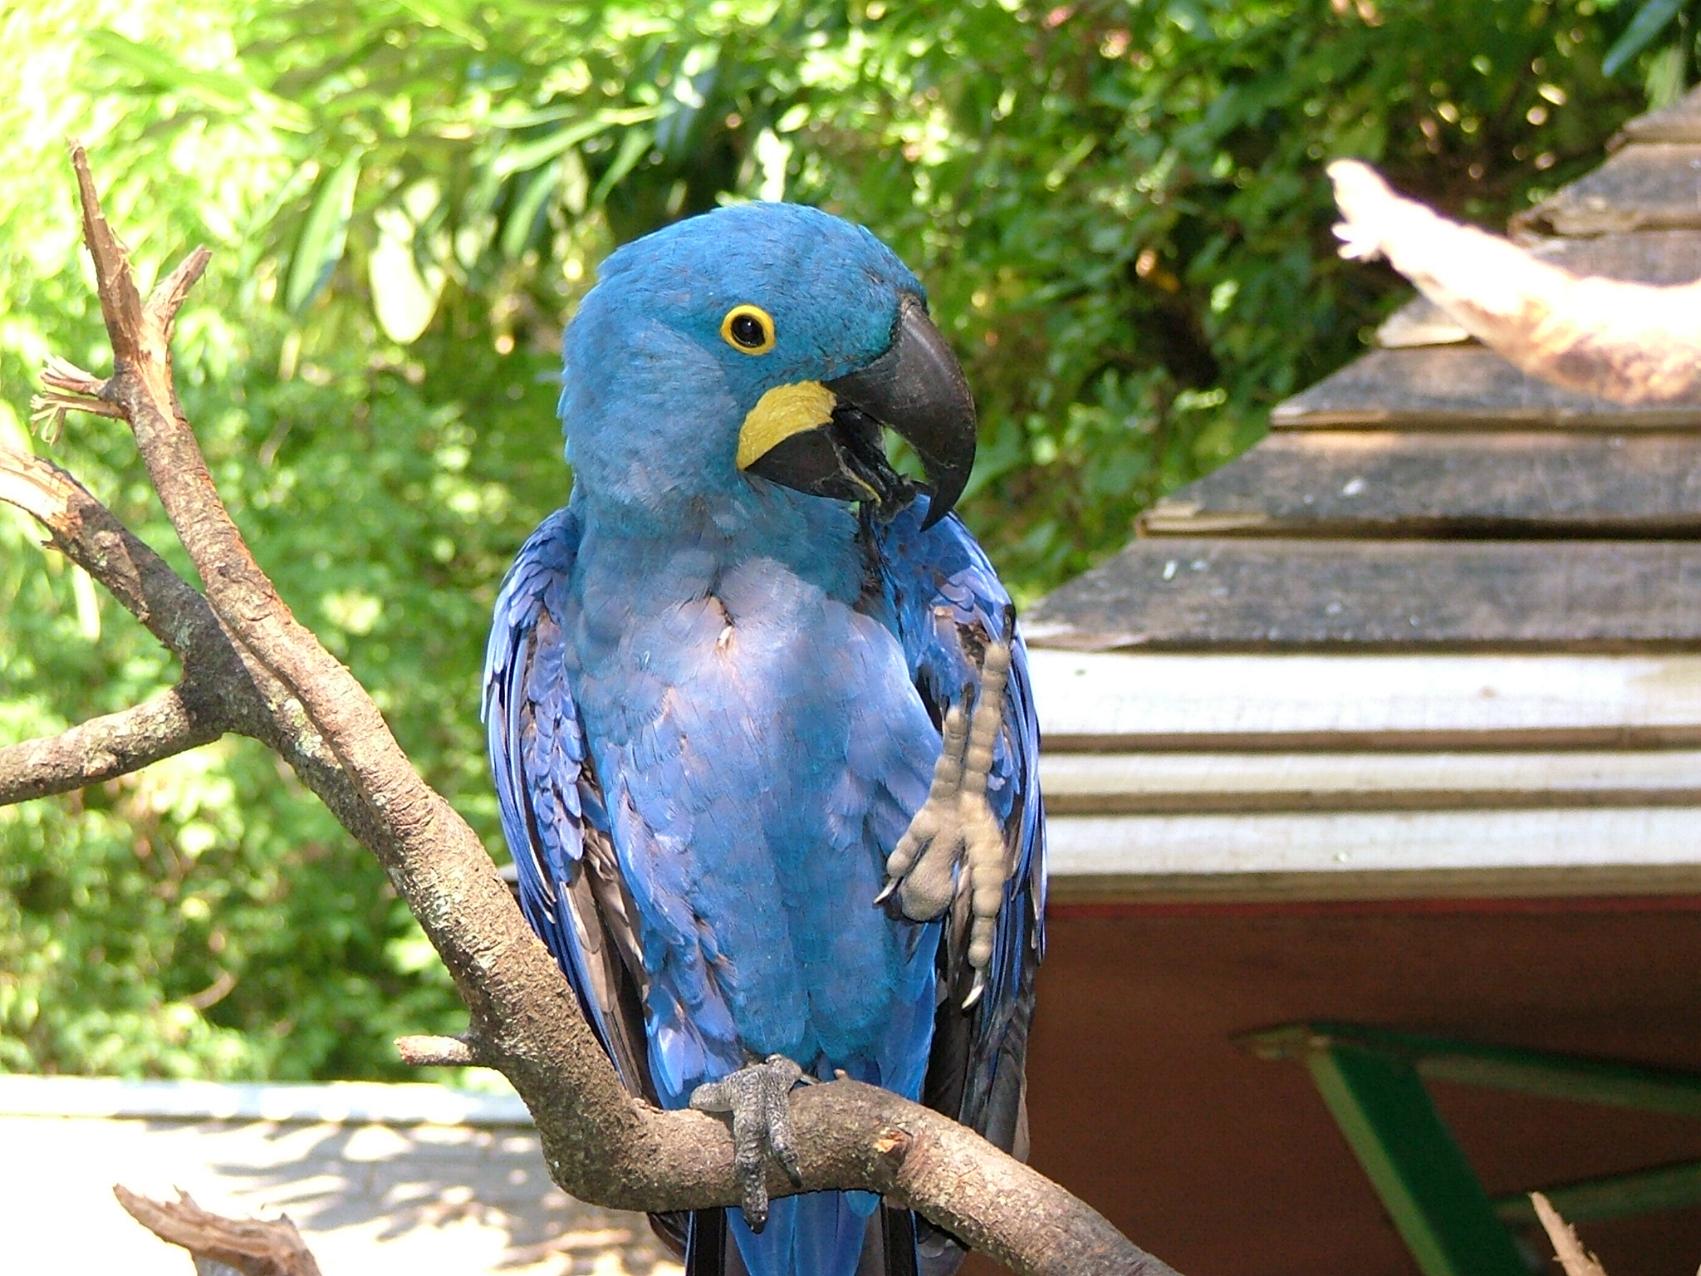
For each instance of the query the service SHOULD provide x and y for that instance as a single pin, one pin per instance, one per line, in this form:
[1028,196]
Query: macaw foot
[956,827]
[756,1095]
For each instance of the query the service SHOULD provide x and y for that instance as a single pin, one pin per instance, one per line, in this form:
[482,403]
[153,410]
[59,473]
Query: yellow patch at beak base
[780,413]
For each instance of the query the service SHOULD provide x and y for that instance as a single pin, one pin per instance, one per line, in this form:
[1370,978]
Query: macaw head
[756,345]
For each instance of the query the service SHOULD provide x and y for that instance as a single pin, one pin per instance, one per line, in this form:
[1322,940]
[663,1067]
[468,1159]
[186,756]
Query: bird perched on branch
[760,722]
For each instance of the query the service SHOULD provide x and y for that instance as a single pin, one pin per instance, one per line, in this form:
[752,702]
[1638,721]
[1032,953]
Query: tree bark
[1573,1258]
[114,745]
[248,1247]
[1635,343]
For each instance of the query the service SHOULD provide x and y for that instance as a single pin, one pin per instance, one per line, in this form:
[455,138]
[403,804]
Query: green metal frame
[1372,1081]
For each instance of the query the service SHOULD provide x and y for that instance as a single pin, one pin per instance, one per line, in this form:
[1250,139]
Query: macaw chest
[759,763]
[804,712]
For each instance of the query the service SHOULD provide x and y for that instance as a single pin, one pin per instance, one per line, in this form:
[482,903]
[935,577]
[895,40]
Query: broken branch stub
[1630,342]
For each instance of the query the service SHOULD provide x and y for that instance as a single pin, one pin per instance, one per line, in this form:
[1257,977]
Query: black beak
[916,388]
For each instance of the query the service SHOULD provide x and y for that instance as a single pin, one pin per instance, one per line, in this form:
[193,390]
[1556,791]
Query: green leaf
[323,235]
[1651,19]
[221,91]
[447,15]
[528,155]
[522,217]
[633,147]
[404,293]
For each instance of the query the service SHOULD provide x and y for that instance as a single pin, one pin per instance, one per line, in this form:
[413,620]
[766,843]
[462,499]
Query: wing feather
[551,801]
[950,604]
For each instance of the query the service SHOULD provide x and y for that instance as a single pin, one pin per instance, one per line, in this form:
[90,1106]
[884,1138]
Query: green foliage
[1659,44]
[1652,19]
[1119,211]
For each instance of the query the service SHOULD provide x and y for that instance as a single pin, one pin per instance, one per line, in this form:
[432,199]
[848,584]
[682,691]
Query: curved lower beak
[917,388]
[824,439]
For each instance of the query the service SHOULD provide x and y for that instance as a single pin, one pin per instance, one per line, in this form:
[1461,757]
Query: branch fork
[248,1247]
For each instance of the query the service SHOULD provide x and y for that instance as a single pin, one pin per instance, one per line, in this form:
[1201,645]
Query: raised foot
[756,1095]
[956,826]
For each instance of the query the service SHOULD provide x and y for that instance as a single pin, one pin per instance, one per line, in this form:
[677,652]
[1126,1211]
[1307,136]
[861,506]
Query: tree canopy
[1119,212]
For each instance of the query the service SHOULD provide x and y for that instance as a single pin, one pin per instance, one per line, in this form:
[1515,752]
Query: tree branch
[442,1052]
[248,1246]
[87,533]
[248,699]
[601,1144]
[1635,343]
[181,719]
[1575,1260]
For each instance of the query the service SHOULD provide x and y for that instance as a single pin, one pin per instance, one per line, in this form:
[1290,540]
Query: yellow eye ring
[748,329]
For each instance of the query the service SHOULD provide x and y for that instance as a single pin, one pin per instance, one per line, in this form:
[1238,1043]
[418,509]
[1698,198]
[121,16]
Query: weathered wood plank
[1172,783]
[1404,855]
[1445,484]
[1420,322]
[1179,593]
[1679,122]
[1454,387]
[1648,257]
[1647,186]
[1120,701]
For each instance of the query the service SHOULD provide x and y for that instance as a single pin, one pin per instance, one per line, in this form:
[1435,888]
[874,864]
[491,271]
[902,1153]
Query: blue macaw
[760,720]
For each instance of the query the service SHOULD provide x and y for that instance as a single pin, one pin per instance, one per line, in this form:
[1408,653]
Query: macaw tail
[813,1234]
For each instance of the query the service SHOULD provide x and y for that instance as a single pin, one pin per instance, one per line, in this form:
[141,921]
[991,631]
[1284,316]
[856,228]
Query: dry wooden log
[247,1246]
[1634,343]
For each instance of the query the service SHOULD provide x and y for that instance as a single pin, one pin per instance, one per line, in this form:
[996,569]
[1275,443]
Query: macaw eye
[748,329]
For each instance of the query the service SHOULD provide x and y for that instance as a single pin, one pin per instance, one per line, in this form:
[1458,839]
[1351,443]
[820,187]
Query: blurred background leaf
[1118,210]
[1657,46]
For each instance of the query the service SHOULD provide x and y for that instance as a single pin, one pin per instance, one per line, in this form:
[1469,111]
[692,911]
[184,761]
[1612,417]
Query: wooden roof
[1429,496]
[1438,634]
[1396,719]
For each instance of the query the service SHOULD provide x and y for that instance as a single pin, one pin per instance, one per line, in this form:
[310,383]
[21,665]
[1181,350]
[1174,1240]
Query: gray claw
[758,1098]
[954,843]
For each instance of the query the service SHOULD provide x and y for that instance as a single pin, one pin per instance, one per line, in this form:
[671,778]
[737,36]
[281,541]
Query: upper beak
[917,388]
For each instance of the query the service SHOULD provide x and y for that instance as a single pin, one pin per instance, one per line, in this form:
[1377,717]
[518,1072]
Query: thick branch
[592,1130]
[601,1144]
[247,1245]
[864,1134]
[916,1157]
[100,749]
[1635,343]
[239,591]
